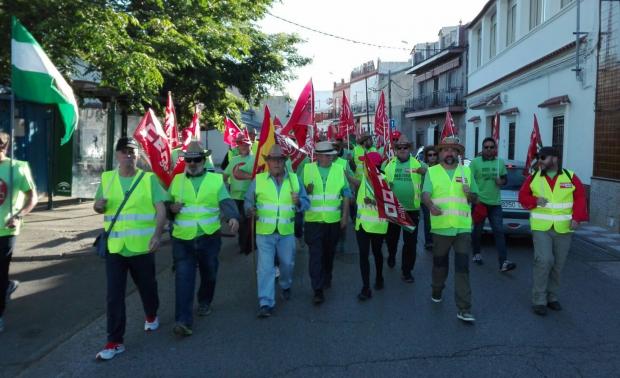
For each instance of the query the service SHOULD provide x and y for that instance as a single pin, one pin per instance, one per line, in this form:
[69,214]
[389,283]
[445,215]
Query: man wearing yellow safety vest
[135,235]
[448,190]
[403,173]
[557,203]
[326,218]
[273,198]
[370,232]
[239,174]
[364,145]
[199,199]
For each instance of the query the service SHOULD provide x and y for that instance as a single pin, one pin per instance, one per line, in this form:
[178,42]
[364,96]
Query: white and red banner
[387,204]
[231,130]
[156,145]
[170,123]
[495,129]
[532,150]
[192,131]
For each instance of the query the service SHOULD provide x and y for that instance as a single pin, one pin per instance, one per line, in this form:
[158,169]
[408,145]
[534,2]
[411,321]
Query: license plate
[511,205]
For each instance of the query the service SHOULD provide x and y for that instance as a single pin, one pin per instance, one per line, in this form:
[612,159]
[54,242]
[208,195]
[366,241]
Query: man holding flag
[448,190]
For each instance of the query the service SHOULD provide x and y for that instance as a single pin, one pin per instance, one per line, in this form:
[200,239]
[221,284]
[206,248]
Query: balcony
[360,108]
[437,102]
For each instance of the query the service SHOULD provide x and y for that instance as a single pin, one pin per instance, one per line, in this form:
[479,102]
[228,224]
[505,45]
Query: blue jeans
[496,219]
[201,252]
[270,246]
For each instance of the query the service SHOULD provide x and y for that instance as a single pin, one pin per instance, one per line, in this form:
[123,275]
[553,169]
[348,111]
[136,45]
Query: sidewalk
[600,237]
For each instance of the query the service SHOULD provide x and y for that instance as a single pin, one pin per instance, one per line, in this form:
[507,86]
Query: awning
[474,119]
[488,102]
[555,101]
[510,111]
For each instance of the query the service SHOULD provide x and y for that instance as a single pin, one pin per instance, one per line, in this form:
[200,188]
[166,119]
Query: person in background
[431,158]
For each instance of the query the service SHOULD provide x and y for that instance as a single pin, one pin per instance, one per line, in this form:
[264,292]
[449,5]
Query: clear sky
[398,23]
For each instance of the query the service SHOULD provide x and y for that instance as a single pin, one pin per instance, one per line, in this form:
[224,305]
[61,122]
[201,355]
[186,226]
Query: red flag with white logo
[532,150]
[231,130]
[347,121]
[302,116]
[192,131]
[170,123]
[156,145]
[449,129]
[387,204]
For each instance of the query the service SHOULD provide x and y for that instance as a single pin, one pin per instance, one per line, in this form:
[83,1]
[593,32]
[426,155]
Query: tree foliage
[198,49]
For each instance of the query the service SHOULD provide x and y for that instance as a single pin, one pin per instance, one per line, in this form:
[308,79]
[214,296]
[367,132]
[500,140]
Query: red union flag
[192,131]
[347,122]
[155,144]
[381,118]
[449,129]
[231,130]
[302,116]
[387,204]
[535,144]
[170,123]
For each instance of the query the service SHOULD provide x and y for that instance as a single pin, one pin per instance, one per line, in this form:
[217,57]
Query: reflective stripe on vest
[416,178]
[199,209]
[358,152]
[558,211]
[325,200]
[449,197]
[136,222]
[275,211]
[368,215]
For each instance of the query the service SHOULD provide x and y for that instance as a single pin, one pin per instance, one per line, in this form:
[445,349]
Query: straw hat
[325,148]
[275,153]
[194,150]
[403,141]
[451,142]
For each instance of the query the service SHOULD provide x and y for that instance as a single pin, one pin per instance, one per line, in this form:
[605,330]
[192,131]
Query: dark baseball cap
[126,142]
[548,151]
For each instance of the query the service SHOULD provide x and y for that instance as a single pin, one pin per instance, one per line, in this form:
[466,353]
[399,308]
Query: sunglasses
[431,154]
[193,160]
[542,157]
[402,148]
[489,147]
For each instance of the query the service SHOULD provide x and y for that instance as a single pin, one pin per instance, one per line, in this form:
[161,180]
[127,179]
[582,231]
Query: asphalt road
[57,331]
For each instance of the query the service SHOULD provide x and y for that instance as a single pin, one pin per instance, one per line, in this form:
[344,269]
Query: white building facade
[525,60]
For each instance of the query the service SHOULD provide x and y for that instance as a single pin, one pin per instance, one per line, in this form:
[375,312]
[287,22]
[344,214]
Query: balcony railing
[360,107]
[437,99]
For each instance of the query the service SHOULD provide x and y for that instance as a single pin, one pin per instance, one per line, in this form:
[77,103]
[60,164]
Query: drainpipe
[578,35]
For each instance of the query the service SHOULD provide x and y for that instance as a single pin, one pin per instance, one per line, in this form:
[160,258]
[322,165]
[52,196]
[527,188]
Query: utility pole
[390,94]
[367,111]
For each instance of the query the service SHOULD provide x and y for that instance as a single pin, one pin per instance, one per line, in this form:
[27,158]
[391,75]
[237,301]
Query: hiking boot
[364,294]
[151,323]
[507,265]
[408,278]
[264,312]
[182,330]
[478,259]
[465,316]
[13,285]
[436,296]
[555,306]
[204,309]
[109,351]
[318,297]
[539,310]
[391,261]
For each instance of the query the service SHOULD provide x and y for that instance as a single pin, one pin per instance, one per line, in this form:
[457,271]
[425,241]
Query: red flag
[387,204]
[381,118]
[231,130]
[303,114]
[192,131]
[266,140]
[170,123]
[532,150]
[156,145]
[347,122]
[449,129]
[495,131]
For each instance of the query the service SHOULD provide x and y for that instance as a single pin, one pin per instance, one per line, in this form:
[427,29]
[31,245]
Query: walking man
[133,239]
[326,219]
[199,199]
[490,174]
[20,193]
[274,197]
[403,173]
[557,203]
[448,189]
[239,174]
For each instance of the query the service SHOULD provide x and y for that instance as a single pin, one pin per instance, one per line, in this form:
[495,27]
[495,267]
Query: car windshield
[515,178]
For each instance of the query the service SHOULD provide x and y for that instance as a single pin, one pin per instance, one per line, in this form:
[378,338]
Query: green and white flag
[35,78]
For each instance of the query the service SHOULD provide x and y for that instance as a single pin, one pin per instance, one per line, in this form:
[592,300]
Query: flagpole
[11,154]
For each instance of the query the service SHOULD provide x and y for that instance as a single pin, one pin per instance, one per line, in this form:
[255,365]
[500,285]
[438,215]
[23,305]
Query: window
[557,141]
[565,3]
[493,36]
[511,22]
[419,139]
[536,13]
[512,126]
[477,141]
[436,135]
[479,47]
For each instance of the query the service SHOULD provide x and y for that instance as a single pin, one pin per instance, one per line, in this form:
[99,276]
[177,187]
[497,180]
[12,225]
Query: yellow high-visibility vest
[275,211]
[449,197]
[558,212]
[367,214]
[325,200]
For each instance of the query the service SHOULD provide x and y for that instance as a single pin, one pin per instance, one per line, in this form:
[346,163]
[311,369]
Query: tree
[198,49]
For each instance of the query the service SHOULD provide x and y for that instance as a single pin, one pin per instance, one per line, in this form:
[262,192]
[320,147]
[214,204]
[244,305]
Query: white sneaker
[151,326]
[109,351]
[465,316]
[13,285]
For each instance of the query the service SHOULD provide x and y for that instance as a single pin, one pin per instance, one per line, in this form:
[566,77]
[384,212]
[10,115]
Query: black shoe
[264,312]
[408,278]
[539,310]
[436,296]
[555,306]
[364,294]
[318,297]
[391,261]
[428,246]
[379,284]
[507,266]
[286,294]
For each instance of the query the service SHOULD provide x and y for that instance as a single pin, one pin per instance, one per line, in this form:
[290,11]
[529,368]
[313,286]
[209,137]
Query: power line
[337,36]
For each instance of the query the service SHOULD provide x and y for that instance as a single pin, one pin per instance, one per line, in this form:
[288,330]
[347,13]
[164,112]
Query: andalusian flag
[35,78]
[266,140]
